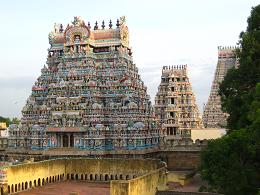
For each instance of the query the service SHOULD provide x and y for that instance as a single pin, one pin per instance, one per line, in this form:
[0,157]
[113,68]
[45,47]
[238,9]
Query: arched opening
[15,188]
[34,183]
[68,176]
[82,177]
[121,176]
[106,177]
[9,191]
[96,177]
[76,176]
[19,187]
[101,177]
[58,177]
[116,178]
[42,181]
[53,179]
[111,177]
[22,186]
[30,184]
[26,185]
[63,176]
[127,177]
[86,176]
[39,182]
[47,180]
[91,177]
[72,176]
[12,188]
[50,180]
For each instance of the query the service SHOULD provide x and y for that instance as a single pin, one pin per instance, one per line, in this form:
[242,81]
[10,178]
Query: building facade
[213,116]
[175,103]
[89,95]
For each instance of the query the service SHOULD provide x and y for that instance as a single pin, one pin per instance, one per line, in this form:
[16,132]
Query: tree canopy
[231,164]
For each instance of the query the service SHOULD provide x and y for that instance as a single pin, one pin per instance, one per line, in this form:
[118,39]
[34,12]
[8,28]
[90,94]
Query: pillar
[69,140]
[61,141]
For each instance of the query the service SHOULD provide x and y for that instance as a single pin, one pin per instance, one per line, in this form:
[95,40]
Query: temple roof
[98,36]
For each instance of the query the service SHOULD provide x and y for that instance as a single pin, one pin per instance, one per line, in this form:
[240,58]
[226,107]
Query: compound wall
[135,175]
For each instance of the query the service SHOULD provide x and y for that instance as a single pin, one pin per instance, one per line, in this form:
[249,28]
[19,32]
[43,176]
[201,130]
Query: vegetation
[9,121]
[231,164]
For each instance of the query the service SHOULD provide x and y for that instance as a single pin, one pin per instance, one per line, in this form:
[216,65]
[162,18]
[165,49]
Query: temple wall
[25,176]
[146,184]
[181,160]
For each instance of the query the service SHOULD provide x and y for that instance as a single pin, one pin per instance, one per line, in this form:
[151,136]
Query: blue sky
[161,33]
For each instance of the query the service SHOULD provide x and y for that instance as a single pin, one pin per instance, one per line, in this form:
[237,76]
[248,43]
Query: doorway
[65,141]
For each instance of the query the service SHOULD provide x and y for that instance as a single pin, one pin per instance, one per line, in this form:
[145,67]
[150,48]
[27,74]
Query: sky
[165,32]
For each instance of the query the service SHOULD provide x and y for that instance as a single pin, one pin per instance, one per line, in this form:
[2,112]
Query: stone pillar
[69,140]
[61,141]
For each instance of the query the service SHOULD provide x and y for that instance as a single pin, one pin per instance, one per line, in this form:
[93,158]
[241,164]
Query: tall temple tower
[175,103]
[89,96]
[213,117]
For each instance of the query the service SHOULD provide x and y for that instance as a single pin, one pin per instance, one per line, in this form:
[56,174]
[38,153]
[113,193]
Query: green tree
[231,164]
[237,89]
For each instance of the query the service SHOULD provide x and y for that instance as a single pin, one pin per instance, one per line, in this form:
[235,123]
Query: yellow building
[207,133]
[3,126]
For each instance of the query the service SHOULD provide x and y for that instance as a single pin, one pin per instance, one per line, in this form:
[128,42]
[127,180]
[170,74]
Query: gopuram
[89,96]
[175,104]
[213,116]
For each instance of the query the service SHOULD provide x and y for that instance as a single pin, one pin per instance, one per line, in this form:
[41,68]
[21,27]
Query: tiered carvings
[90,95]
[213,117]
[175,103]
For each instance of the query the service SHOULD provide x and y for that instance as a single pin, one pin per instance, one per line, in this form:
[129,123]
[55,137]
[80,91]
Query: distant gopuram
[175,104]
[89,96]
[213,117]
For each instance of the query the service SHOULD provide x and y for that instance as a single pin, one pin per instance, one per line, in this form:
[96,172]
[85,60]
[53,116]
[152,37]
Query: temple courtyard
[70,188]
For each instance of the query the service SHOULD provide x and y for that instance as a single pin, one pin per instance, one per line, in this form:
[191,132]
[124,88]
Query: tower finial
[117,23]
[110,24]
[103,25]
[96,26]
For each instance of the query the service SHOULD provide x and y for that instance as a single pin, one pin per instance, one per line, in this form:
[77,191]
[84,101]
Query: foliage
[231,164]
[237,89]
[228,164]
[9,121]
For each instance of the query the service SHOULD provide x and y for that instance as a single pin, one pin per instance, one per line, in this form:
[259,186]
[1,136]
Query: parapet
[174,68]
[227,51]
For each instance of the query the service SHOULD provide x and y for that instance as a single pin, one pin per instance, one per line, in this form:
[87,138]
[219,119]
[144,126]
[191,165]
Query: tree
[231,164]
[228,164]
[9,121]
[237,88]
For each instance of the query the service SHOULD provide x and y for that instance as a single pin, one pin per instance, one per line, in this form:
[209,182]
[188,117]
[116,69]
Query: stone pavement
[70,188]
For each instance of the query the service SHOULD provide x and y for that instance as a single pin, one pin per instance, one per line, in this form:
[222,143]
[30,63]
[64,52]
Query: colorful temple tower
[89,96]
[213,117]
[175,103]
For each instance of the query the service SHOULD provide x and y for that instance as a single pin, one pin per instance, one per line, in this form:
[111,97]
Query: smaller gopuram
[213,117]
[175,103]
